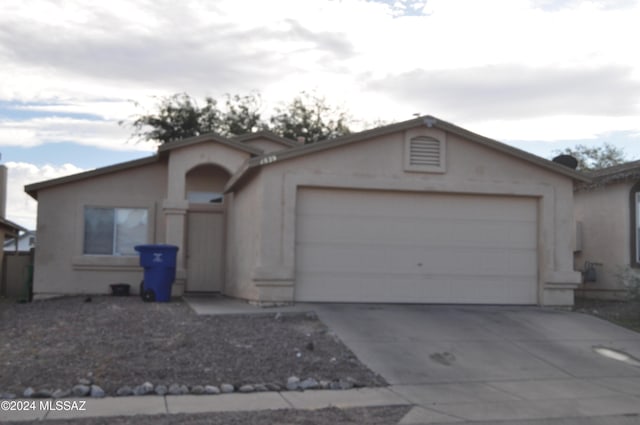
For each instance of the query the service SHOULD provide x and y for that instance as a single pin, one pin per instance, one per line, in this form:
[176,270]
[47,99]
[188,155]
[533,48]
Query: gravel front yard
[120,341]
[623,313]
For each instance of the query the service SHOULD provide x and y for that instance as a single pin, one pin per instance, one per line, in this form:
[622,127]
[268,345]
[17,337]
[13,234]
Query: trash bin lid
[155,247]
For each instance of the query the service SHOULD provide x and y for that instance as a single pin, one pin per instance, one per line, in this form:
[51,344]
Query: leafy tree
[595,158]
[241,115]
[179,116]
[311,118]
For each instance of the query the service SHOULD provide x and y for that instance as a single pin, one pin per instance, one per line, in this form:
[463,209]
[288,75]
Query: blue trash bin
[159,262]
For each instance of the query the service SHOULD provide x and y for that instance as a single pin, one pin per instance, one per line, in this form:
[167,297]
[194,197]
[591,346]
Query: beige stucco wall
[175,206]
[60,266]
[604,214]
[243,240]
[378,164]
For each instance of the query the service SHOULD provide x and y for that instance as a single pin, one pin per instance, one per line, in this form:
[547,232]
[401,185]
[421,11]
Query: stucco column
[175,214]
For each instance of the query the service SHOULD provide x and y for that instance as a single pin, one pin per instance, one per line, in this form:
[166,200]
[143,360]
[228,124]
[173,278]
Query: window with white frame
[114,231]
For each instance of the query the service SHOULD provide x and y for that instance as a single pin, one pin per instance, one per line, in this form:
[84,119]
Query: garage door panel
[368,230]
[367,259]
[372,246]
[344,287]
[386,204]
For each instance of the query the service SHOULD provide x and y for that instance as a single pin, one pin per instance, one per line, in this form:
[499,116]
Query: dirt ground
[623,313]
[123,341]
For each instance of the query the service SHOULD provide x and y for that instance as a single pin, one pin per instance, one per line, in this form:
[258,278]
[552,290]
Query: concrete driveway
[461,363]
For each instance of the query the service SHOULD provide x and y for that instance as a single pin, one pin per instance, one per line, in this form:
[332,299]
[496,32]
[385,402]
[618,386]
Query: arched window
[634,221]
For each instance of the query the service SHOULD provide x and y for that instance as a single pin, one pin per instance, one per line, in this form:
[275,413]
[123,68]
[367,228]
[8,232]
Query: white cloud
[36,131]
[21,208]
[79,53]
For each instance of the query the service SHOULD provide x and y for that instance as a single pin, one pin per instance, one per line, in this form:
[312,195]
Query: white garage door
[374,246]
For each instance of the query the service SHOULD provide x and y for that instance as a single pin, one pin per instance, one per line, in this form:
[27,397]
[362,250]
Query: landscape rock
[226,388]
[309,384]
[184,389]
[273,387]
[246,388]
[325,385]
[197,389]
[124,391]
[346,384]
[260,388]
[293,383]
[85,381]
[28,392]
[211,389]
[97,392]
[334,385]
[148,387]
[42,393]
[80,390]
[140,390]
[174,389]
[161,389]
[7,396]
[60,393]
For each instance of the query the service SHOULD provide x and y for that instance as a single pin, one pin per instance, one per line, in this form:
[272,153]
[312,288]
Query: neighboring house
[420,211]
[23,243]
[8,230]
[607,211]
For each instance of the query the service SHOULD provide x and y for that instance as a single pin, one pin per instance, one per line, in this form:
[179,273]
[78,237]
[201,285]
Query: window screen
[114,231]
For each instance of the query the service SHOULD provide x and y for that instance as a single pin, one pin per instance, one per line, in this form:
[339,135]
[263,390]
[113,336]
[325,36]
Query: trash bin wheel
[141,289]
[148,295]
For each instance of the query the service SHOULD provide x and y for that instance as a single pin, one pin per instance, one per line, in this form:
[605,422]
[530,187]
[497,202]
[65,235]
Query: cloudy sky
[540,75]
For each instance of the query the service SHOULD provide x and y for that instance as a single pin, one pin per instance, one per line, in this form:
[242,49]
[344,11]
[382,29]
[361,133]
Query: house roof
[233,143]
[614,174]
[428,120]
[265,134]
[32,189]
[295,150]
[11,227]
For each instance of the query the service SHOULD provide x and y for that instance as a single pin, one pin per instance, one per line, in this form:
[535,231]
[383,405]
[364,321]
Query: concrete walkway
[446,404]
[155,405]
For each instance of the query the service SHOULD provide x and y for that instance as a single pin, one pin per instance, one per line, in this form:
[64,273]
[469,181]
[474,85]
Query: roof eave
[266,135]
[428,121]
[33,188]
[208,137]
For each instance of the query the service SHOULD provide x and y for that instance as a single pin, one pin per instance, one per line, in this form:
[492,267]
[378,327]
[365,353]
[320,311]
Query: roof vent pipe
[429,121]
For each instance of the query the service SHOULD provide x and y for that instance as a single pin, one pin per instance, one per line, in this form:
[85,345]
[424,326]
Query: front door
[205,236]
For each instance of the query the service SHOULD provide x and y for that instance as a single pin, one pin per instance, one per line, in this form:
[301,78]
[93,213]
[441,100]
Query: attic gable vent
[424,153]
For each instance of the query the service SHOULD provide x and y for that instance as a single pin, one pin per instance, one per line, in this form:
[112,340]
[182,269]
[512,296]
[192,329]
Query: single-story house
[420,211]
[607,212]
[8,230]
[24,242]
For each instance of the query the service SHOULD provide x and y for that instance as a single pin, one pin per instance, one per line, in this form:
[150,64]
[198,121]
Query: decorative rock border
[87,388]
